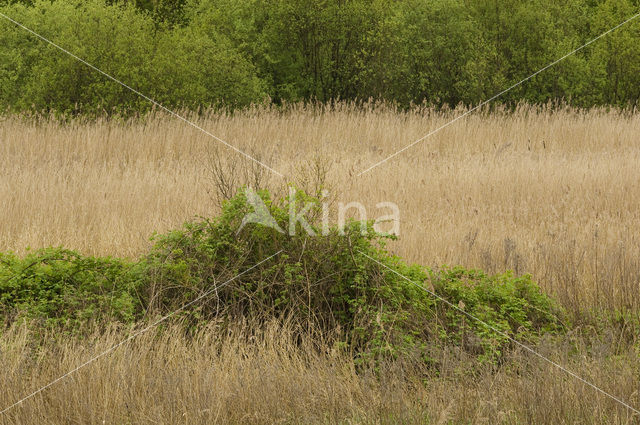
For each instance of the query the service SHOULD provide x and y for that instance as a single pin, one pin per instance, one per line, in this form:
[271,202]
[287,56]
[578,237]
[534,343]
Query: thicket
[343,284]
[201,53]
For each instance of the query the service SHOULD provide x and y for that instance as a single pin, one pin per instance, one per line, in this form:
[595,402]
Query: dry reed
[552,192]
[256,374]
[549,192]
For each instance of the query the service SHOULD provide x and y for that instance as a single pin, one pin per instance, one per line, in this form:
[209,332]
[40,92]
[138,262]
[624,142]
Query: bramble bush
[345,285]
[61,288]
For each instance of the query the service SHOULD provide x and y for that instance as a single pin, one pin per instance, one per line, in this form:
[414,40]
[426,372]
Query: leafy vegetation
[200,53]
[62,288]
[342,283]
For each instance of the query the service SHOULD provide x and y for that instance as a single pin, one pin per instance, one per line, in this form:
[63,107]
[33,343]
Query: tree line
[232,53]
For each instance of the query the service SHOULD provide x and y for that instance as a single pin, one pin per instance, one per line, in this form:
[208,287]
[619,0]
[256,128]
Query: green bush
[194,70]
[37,76]
[178,67]
[61,288]
[615,62]
[507,305]
[201,53]
[343,284]
[340,280]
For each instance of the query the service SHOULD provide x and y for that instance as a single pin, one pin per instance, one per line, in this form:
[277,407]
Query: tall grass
[258,373]
[552,192]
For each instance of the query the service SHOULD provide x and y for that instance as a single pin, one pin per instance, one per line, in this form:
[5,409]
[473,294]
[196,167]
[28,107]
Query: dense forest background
[202,53]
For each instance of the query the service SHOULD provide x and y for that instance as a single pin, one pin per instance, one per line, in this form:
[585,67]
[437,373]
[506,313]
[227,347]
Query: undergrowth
[344,283]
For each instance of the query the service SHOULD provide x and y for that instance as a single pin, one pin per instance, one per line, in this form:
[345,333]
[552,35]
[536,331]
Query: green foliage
[59,287]
[194,69]
[437,55]
[497,306]
[615,63]
[201,53]
[117,40]
[342,283]
[179,66]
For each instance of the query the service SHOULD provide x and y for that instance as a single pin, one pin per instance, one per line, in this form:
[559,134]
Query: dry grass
[552,193]
[259,376]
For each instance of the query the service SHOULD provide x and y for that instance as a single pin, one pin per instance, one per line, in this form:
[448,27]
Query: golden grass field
[254,374]
[551,192]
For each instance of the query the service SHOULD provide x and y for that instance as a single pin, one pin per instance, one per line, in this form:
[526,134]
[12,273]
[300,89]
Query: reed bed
[550,191]
[256,373]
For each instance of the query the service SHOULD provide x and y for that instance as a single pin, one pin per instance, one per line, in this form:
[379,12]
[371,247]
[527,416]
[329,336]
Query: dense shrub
[344,284]
[180,67]
[194,53]
[59,287]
